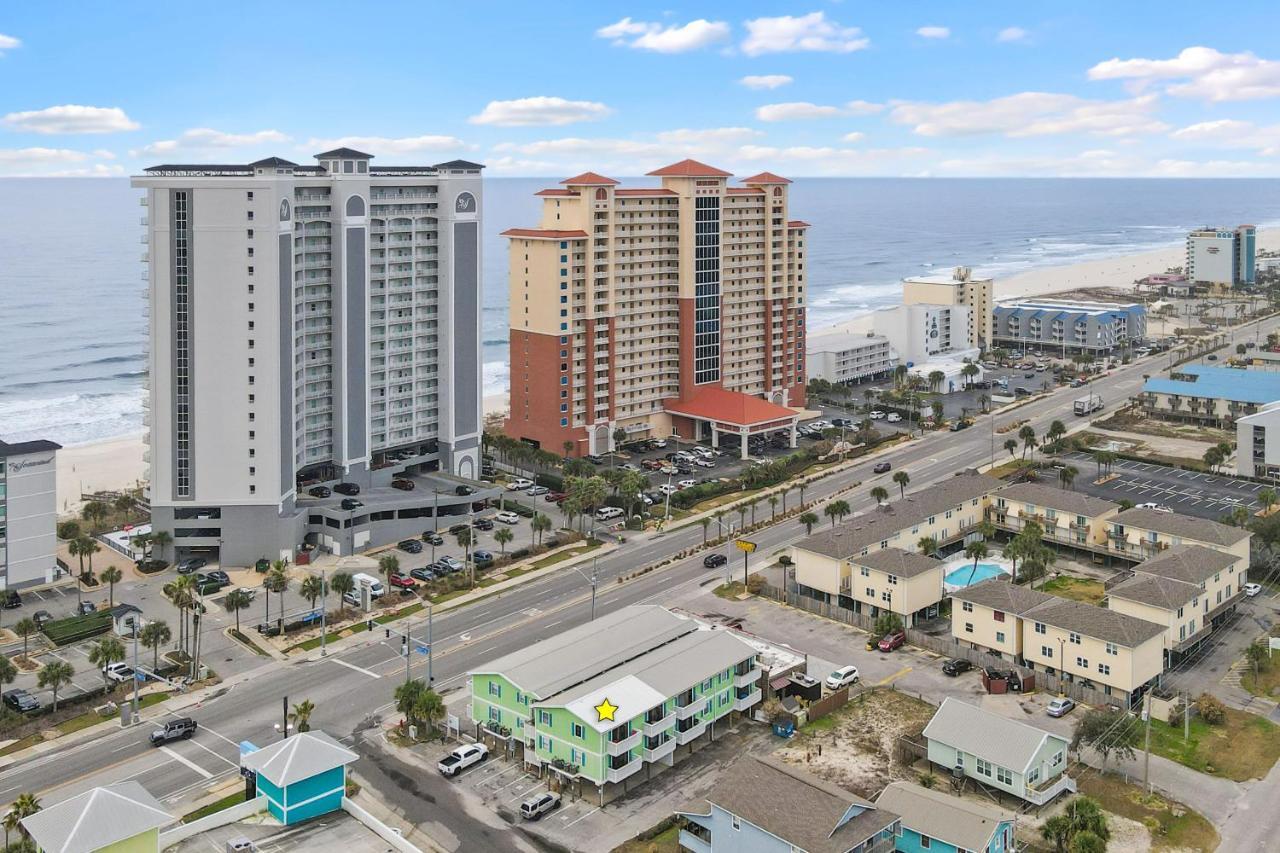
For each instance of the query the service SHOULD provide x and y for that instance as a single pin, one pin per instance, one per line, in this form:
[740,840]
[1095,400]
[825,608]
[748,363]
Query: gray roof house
[930,817]
[123,814]
[998,752]
[764,805]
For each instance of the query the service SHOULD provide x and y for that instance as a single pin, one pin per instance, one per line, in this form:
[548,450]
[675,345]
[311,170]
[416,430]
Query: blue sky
[810,88]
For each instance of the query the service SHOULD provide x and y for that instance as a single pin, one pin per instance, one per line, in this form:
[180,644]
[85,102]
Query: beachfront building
[764,805]
[1068,327]
[1255,456]
[1189,589]
[985,616]
[850,358]
[1216,396]
[638,309]
[309,325]
[1142,533]
[959,289]
[903,582]
[997,752]
[1222,257]
[635,690]
[28,513]
[925,337]
[1066,517]
[938,822]
[119,818]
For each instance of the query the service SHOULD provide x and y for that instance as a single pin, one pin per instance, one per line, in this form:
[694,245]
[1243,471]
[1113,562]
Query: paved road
[1189,492]
[349,687]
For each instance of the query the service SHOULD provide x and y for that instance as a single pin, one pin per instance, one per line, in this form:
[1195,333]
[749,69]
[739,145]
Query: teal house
[940,823]
[302,776]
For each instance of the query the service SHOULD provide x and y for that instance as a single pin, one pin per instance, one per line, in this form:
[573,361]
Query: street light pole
[136,630]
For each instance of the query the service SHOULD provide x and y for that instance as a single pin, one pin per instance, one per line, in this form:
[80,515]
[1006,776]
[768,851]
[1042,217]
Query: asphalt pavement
[1189,492]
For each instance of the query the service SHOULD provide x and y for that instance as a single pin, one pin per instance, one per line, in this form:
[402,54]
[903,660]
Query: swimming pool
[962,573]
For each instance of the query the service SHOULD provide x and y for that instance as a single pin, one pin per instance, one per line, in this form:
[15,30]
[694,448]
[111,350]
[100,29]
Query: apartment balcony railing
[751,676]
[617,774]
[693,843]
[690,734]
[1043,793]
[747,701]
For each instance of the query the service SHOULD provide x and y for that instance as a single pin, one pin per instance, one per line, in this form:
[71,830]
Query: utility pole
[137,628]
[324,612]
[1186,716]
[1146,747]
[431,649]
[284,717]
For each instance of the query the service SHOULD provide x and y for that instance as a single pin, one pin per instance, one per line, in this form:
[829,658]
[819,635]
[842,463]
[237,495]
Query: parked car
[422,573]
[539,804]
[463,491]
[842,677]
[481,558]
[455,529]
[347,489]
[21,701]
[350,504]
[205,585]
[507,517]
[433,538]
[891,641]
[876,414]
[402,484]
[119,672]
[249,591]
[605,513]
[462,758]
[893,417]
[190,564]
[410,546]
[956,426]
[220,576]
[181,728]
[84,608]
[483,524]
[687,484]
[319,491]
[882,467]
[450,564]
[705,463]
[714,561]
[519,485]
[650,464]
[1060,707]
[1252,589]
[42,618]
[12,600]
[538,490]
[955,666]
[400,581]
[594,459]
[555,497]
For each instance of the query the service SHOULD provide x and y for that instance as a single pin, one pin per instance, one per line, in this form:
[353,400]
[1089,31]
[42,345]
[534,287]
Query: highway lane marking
[352,666]
[191,764]
[214,754]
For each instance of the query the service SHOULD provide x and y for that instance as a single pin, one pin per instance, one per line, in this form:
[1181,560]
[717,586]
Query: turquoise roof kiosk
[302,776]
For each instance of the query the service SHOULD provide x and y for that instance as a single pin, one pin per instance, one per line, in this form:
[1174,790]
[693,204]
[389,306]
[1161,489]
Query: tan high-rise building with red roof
[677,308]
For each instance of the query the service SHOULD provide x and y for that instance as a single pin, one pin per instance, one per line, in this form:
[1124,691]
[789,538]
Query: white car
[704,463]
[507,517]
[659,443]
[687,484]
[893,417]
[462,758]
[842,677]
[1154,507]
[668,489]
[629,467]
[1252,589]
[876,414]
[519,485]
[605,513]
[669,470]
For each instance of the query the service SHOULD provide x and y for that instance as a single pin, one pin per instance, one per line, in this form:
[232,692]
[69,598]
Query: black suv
[190,564]
[347,489]
[467,490]
[410,546]
[351,503]
[20,700]
[482,524]
[319,492]
[713,561]
[432,538]
[956,666]
[12,600]
[180,729]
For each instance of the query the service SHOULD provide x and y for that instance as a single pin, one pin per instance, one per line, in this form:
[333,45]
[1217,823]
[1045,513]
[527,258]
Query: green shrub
[62,632]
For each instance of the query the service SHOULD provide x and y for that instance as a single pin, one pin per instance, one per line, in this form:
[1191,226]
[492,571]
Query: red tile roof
[556,193]
[690,169]
[543,234]
[589,178]
[647,191]
[797,223]
[766,178]
[730,407]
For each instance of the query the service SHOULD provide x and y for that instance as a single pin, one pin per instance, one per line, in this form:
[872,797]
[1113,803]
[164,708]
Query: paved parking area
[334,831]
[1190,492]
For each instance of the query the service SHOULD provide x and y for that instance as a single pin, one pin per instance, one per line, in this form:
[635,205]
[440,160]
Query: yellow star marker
[606,710]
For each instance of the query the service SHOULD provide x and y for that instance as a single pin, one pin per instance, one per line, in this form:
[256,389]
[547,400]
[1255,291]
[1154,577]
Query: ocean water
[72,292]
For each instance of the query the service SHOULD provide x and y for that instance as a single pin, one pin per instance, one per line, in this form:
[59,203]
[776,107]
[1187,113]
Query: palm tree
[1067,475]
[77,548]
[125,504]
[879,494]
[540,524]
[112,576]
[983,400]
[1011,446]
[976,550]
[706,525]
[94,512]
[927,545]
[160,539]
[24,806]
[300,716]
[9,672]
[155,634]
[235,601]
[26,627]
[567,447]
[808,519]
[105,652]
[836,510]
[936,378]
[277,581]
[502,537]
[742,516]
[1028,436]
[342,583]
[312,588]
[969,371]
[429,708]
[179,593]
[1267,497]
[55,675]
[773,507]
[406,698]
[902,478]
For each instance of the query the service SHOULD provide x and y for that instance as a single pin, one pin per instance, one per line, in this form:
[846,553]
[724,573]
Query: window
[998,615]
[893,580]
[1073,637]
[967,607]
[1104,669]
[871,593]
[578,731]
[544,717]
[968,627]
[886,596]
[251,216]
[1083,663]
[1045,651]
[248,196]
[249,233]
[999,636]
[495,716]
[1040,628]
[925,841]
[735,822]
[984,767]
[495,689]
[1112,649]
[864,571]
[1004,776]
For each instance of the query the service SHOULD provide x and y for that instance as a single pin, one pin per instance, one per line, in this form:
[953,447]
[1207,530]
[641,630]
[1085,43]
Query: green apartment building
[600,703]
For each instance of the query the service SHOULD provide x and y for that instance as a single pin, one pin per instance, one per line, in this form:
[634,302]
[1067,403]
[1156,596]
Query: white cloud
[8,43]
[812,32]
[1009,34]
[1204,73]
[205,138]
[53,162]
[539,111]
[1030,114]
[934,32]
[104,154]
[72,118]
[765,81]
[855,136]
[40,156]
[1232,133]
[795,110]
[388,145]
[672,38]
[708,136]
[863,108]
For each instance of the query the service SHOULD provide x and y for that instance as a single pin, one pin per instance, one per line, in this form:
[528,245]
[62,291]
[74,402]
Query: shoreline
[117,462]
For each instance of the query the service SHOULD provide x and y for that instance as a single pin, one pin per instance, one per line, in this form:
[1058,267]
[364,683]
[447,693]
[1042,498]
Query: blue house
[302,776]
[941,823]
[765,806]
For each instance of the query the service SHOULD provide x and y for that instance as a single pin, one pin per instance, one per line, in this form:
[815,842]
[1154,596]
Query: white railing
[624,745]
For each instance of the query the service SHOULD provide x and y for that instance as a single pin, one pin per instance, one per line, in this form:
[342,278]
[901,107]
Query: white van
[376,589]
[605,513]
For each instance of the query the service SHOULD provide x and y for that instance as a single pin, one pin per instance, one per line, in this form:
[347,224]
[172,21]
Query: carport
[732,413]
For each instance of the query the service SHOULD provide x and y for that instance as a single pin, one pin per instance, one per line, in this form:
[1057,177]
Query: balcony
[746,701]
[684,712]
[694,843]
[690,734]
[625,771]
[621,747]
[661,751]
[751,676]
[1042,794]
[659,725]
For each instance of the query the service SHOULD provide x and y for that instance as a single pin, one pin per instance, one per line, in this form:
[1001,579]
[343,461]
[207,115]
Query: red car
[651,464]
[402,484]
[891,641]
[555,497]
[402,581]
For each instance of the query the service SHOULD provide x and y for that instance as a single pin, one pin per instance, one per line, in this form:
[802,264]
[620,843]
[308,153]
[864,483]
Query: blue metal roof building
[1222,383]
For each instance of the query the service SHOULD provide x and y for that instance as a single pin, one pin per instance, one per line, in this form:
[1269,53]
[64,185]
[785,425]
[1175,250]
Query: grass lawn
[555,558]
[21,744]
[1244,747]
[1172,825]
[1081,589]
[1268,681]
[730,591]
[667,841]
[204,811]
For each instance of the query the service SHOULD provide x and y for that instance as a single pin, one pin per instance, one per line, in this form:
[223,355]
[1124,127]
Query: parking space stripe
[584,817]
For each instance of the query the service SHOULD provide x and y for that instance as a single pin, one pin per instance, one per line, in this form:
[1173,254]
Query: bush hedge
[62,632]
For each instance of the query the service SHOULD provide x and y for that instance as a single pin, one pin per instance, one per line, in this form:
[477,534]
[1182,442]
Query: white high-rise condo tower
[310,326]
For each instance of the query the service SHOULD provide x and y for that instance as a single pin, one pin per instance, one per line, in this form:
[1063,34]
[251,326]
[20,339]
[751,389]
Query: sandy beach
[117,463]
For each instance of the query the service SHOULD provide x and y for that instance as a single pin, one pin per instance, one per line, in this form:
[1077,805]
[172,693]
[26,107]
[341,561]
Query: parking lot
[1190,492]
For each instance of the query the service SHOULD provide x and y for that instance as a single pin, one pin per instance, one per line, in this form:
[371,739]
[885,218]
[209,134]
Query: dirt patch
[857,746]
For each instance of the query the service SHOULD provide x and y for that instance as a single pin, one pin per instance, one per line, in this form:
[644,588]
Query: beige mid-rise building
[676,308]
[961,287]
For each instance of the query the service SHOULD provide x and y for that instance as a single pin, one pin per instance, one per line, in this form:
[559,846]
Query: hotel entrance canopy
[734,413]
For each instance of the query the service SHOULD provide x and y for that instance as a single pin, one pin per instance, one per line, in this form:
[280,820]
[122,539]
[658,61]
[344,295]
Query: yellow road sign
[745,545]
